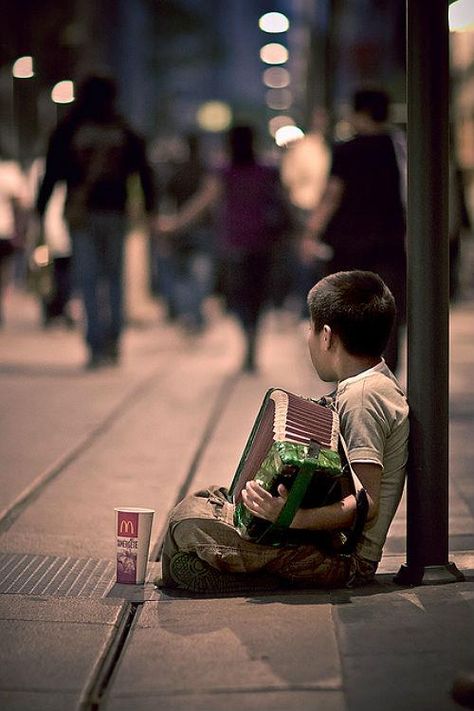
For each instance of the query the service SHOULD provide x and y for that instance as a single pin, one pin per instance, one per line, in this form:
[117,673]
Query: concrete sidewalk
[174,416]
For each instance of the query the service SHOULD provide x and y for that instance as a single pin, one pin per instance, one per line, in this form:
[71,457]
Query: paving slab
[36,439]
[256,700]
[389,648]
[141,459]
[227,647]
[49,700]
[51,648]
[403,649]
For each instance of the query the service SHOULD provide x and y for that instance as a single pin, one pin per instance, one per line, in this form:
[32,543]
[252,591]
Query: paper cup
[133,529]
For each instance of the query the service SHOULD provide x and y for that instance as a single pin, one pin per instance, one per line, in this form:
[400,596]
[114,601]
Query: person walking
[55,304]
[252,219]
[361,214]
[94,151]
[13,212]
[189,253]
[304,172]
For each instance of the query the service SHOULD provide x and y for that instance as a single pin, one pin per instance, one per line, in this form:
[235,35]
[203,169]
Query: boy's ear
[327,336]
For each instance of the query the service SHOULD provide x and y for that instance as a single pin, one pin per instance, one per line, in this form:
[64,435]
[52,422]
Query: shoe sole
[191,573]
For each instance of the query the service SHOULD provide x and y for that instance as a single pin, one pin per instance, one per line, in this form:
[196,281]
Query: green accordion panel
[281,466]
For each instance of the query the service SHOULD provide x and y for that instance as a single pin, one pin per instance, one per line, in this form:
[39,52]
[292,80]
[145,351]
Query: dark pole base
[428,575]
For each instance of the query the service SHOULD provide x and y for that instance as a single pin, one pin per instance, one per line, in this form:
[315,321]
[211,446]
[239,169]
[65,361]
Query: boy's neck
[350,366]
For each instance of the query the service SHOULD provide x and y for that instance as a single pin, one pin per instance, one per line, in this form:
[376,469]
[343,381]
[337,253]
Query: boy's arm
[341,513]
[334,516]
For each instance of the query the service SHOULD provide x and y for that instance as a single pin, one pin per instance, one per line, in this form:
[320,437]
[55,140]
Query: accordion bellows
[289,431]
[297,419]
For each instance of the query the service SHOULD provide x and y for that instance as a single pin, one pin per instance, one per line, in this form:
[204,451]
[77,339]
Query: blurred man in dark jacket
[361,214]
[95,152]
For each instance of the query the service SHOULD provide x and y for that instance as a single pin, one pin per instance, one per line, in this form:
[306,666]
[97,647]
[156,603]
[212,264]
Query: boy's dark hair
[359,308]
[374,102]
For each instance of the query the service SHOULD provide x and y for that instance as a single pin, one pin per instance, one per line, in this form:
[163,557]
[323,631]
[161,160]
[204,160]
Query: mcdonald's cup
[133,527]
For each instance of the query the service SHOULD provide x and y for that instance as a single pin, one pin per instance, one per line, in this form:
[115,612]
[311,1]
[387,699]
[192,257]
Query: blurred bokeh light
[23,68]
[277,122]
[63,92]
[288,134]
[461,16]
[274,53]
[274,22]
[278,99]
[214,116]
[276,77]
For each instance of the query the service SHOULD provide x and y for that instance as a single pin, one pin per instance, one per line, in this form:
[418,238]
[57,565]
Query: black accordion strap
[355,479]
[362,504]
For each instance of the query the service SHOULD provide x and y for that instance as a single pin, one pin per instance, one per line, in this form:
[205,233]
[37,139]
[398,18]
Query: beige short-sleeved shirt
[373,412]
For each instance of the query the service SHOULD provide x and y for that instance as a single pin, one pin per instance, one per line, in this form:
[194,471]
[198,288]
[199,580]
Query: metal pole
[427,294]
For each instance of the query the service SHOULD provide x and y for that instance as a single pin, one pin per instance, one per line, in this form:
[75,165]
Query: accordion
[295,441]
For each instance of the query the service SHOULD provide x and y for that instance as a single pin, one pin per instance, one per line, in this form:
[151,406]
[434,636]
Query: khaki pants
[203,524]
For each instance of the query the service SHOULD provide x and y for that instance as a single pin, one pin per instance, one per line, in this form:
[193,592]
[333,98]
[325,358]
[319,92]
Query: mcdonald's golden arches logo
[127,528]
[127,524]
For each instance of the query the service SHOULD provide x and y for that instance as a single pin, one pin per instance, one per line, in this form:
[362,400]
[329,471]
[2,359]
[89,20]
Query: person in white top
[13,199]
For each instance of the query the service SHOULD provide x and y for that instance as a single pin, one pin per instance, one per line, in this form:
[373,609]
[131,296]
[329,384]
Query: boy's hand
[261,503]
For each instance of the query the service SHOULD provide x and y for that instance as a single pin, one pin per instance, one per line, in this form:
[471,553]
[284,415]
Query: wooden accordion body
[294,441]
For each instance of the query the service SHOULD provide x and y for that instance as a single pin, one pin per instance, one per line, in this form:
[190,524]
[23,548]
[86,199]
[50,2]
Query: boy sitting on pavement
[351,318]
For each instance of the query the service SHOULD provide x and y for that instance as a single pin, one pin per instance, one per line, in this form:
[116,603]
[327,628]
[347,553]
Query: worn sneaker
[165,580]
[189,572]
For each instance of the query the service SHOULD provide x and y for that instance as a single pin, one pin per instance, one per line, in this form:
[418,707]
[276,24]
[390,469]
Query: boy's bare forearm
[327,518]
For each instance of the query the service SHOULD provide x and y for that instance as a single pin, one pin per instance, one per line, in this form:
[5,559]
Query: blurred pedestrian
[361,214]
[459,225]
[304,172]
[186,258]
[13,214]
[305,164]
[94,151]
[55,305]
[251,219]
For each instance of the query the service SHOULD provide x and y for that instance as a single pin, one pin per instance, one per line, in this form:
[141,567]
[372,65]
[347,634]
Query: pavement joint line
[12,512]
[222,399]
[95,689]
[101,676]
